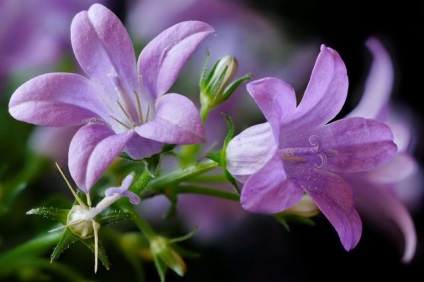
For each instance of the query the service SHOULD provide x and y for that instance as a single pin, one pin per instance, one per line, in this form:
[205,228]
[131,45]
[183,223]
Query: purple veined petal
[325,94]
[334,197]
[250,150]
[163,58]
[177,121]
[105,52]
[379,205]
[379,84]
[275,98]
[56,99]
[139,147]
[355,144]
[269,190]
[399,168]
[92,150]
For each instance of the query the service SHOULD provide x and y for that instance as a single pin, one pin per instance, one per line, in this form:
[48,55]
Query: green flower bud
[222,75]
[218,85]
[162,249]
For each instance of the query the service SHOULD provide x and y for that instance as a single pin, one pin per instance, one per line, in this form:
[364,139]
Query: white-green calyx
[81,218]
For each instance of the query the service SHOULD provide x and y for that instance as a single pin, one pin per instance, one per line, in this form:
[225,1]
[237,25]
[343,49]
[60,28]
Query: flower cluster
[128,126]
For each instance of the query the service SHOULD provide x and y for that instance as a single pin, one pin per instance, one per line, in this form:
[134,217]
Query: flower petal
[275,98]
[139,147]
[325,94]
[105,52]
[269,190]
[334,197]
[102,46]
[92,150]
[250,150]
[162,59]
[399,168]
[379,205]
[356,144]
[177,121]
[56,99]
[379,84]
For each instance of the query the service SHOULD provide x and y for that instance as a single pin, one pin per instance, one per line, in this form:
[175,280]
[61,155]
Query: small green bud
[218,85]
[223,74]
[161,248]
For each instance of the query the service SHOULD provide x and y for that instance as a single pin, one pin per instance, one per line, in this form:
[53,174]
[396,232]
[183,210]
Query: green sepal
[220,156]
[102,253]
[113,216]
[184,237]
[67,239]
[160,267]
[202,81]
[230,89]
[182,251]
[55,214]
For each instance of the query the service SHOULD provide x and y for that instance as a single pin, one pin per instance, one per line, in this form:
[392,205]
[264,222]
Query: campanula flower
[120,104]
[375,191]
[298,150]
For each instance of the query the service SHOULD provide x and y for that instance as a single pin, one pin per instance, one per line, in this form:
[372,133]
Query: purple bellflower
[375,191]
[298,150]
[121,104]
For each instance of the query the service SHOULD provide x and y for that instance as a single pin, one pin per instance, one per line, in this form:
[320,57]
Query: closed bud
[218,85]
[223,74]
[162,249]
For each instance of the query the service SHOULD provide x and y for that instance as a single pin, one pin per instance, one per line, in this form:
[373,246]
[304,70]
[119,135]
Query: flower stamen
[139,108]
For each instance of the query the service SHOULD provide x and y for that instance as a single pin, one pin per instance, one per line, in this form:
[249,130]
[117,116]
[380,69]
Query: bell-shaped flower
[121,104]
[375,191]
[298,150]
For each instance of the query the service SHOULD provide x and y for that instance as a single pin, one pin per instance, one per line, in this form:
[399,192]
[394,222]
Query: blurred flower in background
[385,196]
[34,35]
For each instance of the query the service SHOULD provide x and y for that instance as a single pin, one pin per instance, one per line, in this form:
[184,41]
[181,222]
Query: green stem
[207,191]
[141,182]
[204,113]
[212,178]
[144,226]
[158,184]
